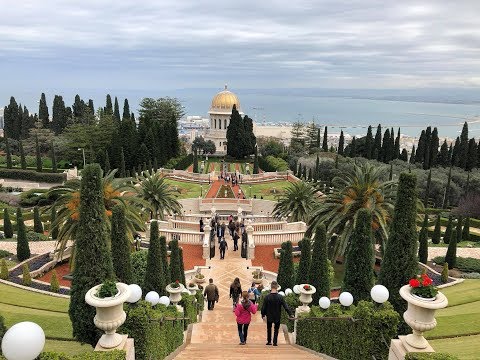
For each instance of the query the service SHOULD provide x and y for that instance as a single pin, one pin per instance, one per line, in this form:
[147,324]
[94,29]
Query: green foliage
[3,330]
[445,273]
[343,339]
[164,258]
[448,231]
[3,270]
[451,255]
[182,267]
[458,229]
[359,275]
[37,222]
[468,264]
[93,262]
[54,230]
[285,267]
[271,163]
[154,338]
[240,138]
[120,246]
[23,249]
[5,253]
[26,277]
[319,269]
[437,232]
[54,284]
[200,300]
[195,161]
[466,230]
[189,305]
[139,267]
[256,165]
[429,356]
[175,267]
[297,202]
[107,289]
[400,259]
[34,236]
[95,355]
[155,191]
[423,241]
[154,274]
[305,259]
[7,224]
[31,175]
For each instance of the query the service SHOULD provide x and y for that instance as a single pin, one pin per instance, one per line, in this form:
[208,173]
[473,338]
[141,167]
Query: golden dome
[223,102]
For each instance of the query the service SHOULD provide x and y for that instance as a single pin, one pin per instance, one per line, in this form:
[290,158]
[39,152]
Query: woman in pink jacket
[243,312]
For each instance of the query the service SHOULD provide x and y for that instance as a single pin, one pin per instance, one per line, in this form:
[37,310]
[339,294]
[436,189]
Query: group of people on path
[235,227]
[245,305]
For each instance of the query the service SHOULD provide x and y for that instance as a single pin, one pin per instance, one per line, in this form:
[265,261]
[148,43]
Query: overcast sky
[59,44]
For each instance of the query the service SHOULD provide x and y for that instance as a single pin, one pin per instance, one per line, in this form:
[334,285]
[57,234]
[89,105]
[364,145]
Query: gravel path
[462,252]
[38,247]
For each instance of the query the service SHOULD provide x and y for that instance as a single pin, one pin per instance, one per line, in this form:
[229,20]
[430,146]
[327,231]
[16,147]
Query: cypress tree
[299,171]
[442,158]
[116,111]
[126,110]
[400,259]
[175,267]
[451,255]
[396,153]
[420,154]
[43,111]
[427,188]
[108,106]
[434,144]
[428,139]
[305,259]
[91,107]
[377,145]
[471,162]
[341,143]
[164,257]
[412,155]
[448,231]
[437,233]
[154,275]
[120,246]
[369,143]
[423,241]
[182,267]
[446,199]
[285,267]
[23,161]
[122,164]
[466,230]
[336,163]
[38,156]
[458,230]
[37,222]
[53,230]
[456,153]
[463,155]
[360,259]
[317,169]
[309,178]
[386,153]
[304,172]
[7,224]
[3,276]
[325,140]
[404,155]
[353,148]
[93,261]
[235,135]
[107,163]
[9,153]
[450,156]
[54,159]
[23,249]
[318,139]
[319,272]
[155,165]
[255,161]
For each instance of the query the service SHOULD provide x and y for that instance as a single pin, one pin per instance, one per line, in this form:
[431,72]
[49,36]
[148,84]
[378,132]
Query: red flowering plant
[307,287]
[422,286]
[175,285]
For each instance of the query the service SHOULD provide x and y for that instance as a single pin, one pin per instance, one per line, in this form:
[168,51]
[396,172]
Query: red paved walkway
[212,192]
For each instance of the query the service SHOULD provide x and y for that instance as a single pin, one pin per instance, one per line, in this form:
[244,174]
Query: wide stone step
[223,333]
[249,351]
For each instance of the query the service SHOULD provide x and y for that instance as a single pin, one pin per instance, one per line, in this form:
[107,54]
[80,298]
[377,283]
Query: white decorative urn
[110,315]
[175,293]
[192,289]
[420,315]
[306,292]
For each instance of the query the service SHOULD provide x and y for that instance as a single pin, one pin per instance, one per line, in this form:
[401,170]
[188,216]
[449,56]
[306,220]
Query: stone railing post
[251,242]
[206,241]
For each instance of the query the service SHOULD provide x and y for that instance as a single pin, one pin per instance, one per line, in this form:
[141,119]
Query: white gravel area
[462,252]
[39,247]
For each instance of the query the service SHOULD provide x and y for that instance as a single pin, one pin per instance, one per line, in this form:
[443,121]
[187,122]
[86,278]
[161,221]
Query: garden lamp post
[250,189]
[201,190]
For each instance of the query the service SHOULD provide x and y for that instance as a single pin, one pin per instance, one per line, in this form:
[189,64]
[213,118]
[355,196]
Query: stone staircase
[216,336]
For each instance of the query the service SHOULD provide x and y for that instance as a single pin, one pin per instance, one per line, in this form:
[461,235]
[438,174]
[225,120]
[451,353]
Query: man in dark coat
[223,246]
[211,292]
[272,308]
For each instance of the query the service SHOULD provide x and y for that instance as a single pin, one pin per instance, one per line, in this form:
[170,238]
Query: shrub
[107,289]
[31,175]
[429,356]
[96,355]
[35,236]
[451,256]
[37,222]
[3,270]
[190,309]
[319,267]
[285,266]
[154,338]
[3,330]
[466,230]
[5,253]
[120,246]
[26,278]
[182,267]
[154,275]
[301,275]
[175,267]
[272,163]
[437,232]
[139,267]
[473,275]
[23,250]
[445,273]
[164,257]
[448,231]
[463,264]
[200,300]
[54,284]
[344,339]
[423,242]
[7,224]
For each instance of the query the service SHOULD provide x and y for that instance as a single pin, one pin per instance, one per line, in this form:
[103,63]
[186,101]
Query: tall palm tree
[365,187]
[158,194]
[297,202]
[115,191]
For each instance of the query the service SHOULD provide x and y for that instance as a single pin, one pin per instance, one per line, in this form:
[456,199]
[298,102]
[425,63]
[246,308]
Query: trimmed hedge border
[96,355]
[430,356]
[31,175]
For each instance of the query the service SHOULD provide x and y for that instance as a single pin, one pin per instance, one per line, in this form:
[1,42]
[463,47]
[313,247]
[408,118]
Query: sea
[350,110]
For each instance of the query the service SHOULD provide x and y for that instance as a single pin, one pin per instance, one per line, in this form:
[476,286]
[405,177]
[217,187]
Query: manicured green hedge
[180,163]
[200,300]
[429,356]
[154,336]
[366,337]
[292,301]
[139,266]
[96,355]
[463,264]
[3,329]
[31,175]
[444,221]
[272,163]
[189,304]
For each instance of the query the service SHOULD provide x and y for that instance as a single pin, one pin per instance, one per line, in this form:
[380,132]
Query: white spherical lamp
[346,299]
[281,293]
[135,293]
[164,300]
[152,297]
[296,289]
[23,341]
[324,302]
[379,294]
[288,291]
[185,291]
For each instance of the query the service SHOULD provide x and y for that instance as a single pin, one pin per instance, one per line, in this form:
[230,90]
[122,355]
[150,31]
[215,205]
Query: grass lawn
[187,189]
[67,347]
[465,347]
[474,244]
[265,189]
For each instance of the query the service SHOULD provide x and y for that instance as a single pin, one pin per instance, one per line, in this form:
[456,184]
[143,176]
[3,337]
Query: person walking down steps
[235,291]
[211,292]
[271,309]
[223,246]
[243,311]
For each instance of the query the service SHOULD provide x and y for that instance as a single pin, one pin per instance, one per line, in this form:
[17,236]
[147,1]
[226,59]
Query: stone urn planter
[257,277]
[192,289]
[306,292]
[420,315]
[199,278]
[110,315]
[175,293]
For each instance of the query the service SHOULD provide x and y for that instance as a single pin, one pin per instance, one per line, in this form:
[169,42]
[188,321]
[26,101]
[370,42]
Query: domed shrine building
[220,112]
